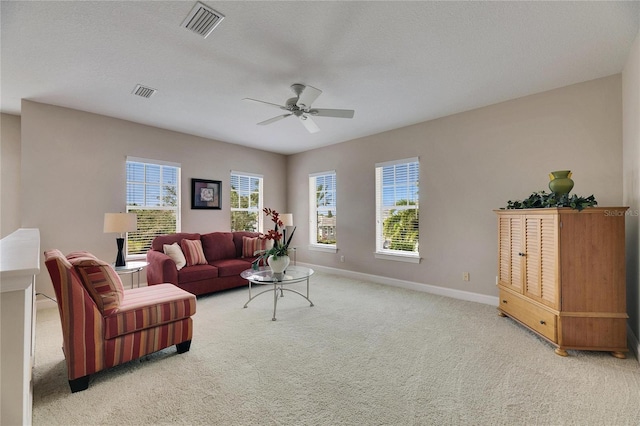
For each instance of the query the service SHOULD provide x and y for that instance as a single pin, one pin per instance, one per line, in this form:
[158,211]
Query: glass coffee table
[264,276]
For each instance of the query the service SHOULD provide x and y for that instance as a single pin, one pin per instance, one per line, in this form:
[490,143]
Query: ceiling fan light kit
[300,107]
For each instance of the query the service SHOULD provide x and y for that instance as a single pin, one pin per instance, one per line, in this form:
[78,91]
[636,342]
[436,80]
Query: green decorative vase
[561,182]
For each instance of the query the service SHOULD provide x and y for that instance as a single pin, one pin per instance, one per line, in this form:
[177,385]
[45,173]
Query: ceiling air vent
[145,92]
[202,20]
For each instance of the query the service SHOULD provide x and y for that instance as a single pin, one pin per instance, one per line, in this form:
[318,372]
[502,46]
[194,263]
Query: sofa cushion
[193,253]
[147,307]
[175,253]
[197,273]
[229,267]
[218,245]
[101,281]
[158,242]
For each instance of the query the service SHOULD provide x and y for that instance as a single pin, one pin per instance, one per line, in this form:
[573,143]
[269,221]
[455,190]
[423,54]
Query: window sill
[323,247]
[133,257]
[409,258]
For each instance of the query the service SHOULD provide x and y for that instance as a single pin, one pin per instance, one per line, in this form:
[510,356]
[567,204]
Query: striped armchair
[104,325]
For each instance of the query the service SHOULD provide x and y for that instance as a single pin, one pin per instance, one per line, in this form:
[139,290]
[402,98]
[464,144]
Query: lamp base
[120,258]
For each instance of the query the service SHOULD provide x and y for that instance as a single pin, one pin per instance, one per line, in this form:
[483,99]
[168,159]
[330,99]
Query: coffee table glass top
[264,275]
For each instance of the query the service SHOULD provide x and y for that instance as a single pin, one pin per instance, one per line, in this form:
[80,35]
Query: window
[246,202]
[397,210]
[322,209]
[153,193]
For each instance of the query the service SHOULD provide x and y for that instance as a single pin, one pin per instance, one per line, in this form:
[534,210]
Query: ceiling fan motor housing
[297,88]
[292,104]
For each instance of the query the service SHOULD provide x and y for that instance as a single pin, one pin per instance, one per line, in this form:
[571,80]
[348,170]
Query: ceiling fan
[300,106]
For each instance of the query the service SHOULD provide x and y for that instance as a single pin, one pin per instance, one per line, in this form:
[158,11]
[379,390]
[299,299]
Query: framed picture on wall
[206,194]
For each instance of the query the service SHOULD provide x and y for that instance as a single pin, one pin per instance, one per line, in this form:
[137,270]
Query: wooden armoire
[561,273]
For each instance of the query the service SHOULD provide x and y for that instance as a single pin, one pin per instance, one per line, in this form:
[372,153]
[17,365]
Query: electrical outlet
[342,259]
[465,276]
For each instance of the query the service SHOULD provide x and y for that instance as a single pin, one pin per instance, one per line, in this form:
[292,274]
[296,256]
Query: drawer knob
[504,301]
[542,322]
[521,254]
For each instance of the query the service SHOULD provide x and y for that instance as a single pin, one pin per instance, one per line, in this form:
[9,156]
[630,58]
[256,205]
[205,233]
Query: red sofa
[224,257]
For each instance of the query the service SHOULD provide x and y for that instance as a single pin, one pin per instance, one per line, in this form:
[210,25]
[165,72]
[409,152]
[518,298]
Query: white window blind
[323,209]
[246,202]
[397,208]
[153,193]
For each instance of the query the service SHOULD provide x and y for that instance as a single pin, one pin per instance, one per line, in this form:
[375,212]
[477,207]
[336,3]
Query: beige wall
[631,151]
[73,171]
[9,174]
[470,164]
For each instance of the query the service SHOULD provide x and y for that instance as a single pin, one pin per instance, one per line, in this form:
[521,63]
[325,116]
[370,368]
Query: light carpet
[365,354]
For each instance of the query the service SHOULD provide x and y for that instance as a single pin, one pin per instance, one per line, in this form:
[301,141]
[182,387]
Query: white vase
[278,265]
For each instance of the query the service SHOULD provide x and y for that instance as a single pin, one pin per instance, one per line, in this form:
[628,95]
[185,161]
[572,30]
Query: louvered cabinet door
[541,258]
[510,252]
[562,275]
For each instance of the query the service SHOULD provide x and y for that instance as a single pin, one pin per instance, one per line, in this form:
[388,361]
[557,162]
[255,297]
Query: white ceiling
[396,63]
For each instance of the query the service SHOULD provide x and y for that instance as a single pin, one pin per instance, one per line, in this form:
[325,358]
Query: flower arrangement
[280,247]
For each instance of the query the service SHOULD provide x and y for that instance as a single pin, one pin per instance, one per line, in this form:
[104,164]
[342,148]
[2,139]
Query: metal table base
[278,287]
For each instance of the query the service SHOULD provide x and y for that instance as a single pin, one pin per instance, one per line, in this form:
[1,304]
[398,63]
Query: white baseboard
[633,342]
[427,288]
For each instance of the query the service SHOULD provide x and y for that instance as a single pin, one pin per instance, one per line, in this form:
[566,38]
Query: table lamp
[287,220]
[120,223]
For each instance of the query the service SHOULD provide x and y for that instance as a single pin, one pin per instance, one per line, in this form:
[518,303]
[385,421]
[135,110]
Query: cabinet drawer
[534,317]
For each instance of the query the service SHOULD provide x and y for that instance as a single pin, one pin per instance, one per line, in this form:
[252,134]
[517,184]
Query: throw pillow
[175,253]
[101,281]
[250,245]
[193,252]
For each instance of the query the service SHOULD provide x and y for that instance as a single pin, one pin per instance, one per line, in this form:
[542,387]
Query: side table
[132,268]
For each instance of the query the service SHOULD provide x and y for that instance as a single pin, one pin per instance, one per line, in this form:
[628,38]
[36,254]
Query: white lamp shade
[120,222]
[287,219]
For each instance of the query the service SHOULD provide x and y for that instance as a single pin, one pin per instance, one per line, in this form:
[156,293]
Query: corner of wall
[631,180]
[10,170]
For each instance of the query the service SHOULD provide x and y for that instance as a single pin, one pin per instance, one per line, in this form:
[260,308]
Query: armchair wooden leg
[183,347]
[79,384]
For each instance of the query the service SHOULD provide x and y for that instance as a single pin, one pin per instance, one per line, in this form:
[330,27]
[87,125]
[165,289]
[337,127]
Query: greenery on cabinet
[542,199]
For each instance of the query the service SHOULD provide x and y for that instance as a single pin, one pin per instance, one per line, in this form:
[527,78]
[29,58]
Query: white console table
[19,264]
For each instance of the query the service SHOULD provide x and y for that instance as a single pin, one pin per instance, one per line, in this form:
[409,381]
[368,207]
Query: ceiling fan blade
[263,102]
[309,124]
[273,120]
[307,96]
[339,113]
